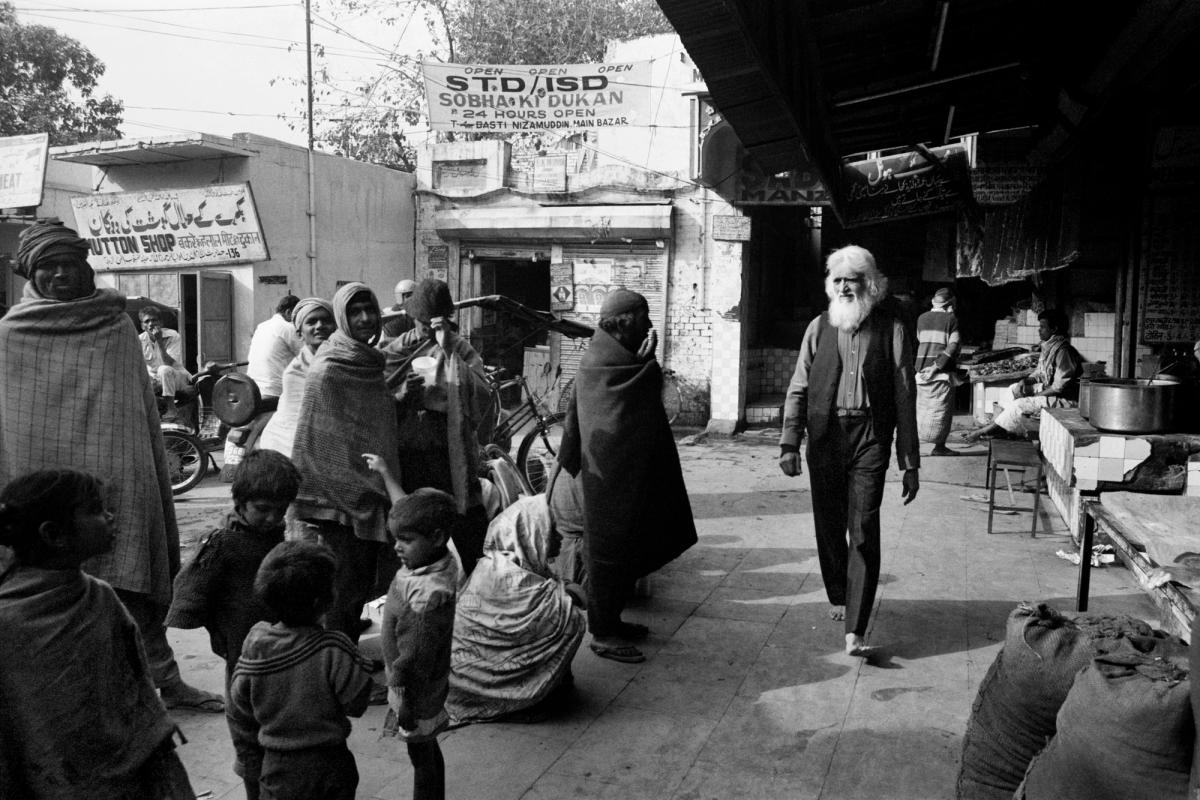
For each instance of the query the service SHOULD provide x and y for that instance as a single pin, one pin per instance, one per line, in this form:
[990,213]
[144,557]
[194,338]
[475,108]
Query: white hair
[859,261]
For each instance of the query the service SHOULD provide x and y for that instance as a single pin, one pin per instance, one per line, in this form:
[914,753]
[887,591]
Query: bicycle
[539,444]
[672,395]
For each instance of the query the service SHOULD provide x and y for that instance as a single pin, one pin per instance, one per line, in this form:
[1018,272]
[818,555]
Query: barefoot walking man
[852,390]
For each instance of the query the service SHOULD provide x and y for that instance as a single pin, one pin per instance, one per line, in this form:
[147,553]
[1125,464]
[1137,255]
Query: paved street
[745,692]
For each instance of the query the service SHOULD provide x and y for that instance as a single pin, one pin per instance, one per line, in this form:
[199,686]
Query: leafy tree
[48,84]
[365,124]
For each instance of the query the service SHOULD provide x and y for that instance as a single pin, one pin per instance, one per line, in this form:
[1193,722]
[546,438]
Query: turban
[621,301]
[942,298]
[406,286]
[45,238]
[430,299]
[306,307]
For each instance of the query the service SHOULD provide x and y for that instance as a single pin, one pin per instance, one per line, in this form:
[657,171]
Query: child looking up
[81,715]
[295,684]
[418,623]
[215,591]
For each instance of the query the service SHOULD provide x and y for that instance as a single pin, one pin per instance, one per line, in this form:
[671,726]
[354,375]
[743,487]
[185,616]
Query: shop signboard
[497,98]
[189,227]
[907,185]
[23,169]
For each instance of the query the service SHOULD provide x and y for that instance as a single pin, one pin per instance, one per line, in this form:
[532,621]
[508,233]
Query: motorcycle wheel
[187,463]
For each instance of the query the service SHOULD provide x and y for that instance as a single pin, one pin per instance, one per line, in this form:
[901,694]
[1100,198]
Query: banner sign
[512,98]
[23,169]
[193,227]
[907,185]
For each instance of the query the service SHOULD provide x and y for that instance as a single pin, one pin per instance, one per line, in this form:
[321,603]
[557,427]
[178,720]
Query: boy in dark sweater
[295,685]
[215,591]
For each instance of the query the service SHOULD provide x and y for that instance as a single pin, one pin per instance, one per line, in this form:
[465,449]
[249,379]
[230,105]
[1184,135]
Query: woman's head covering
[306,307]
[523,531]
[430,299]
[45,238]
[341,300]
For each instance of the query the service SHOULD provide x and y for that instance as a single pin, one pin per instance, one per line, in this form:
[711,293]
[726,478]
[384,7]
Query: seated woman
[516,626]
[1058,371]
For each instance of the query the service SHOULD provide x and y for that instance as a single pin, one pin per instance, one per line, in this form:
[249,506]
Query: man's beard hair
[849,315]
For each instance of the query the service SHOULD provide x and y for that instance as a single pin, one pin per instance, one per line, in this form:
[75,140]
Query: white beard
[847,314]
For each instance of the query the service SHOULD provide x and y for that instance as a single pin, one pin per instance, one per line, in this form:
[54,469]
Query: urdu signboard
[497,98]
[193,227]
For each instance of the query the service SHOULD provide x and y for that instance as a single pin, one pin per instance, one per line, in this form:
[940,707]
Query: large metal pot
[1131,405]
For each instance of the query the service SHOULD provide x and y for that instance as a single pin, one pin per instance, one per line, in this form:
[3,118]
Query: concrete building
[556,221]
[257,188]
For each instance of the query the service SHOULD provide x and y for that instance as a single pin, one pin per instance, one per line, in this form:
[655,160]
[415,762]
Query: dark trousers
[609,588]
[364,570]
[315,773]
[847,471]
[150,618]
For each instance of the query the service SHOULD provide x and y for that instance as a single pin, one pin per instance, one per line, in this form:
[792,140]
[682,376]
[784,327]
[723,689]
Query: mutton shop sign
[192,227]
[496,98]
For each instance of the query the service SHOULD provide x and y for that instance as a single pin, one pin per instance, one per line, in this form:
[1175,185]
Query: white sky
[208,65]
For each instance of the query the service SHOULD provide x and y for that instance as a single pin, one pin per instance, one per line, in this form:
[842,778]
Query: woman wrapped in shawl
[313,320]
[516,628]
[75,394]
[345,411]
[438,423]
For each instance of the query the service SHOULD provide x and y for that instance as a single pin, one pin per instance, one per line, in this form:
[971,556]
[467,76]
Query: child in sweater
[295,684]
[215,591]
[418,621]
[81,716]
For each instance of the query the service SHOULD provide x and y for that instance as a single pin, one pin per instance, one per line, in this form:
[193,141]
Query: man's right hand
[789,463]
[414,387]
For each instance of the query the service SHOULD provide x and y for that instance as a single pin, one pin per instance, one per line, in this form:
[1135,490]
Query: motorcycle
[195,432]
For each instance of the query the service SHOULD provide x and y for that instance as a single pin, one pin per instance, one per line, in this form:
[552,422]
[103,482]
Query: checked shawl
[76,395]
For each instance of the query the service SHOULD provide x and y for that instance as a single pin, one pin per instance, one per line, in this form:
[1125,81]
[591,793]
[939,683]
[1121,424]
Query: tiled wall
[770,370]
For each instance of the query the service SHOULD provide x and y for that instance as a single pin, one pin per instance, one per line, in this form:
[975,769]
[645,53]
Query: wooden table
[1146,531]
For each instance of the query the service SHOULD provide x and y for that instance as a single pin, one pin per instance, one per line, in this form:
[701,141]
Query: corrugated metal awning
[561,223]
[158,150]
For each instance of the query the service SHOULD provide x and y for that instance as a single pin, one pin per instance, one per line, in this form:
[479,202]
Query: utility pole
[312,183]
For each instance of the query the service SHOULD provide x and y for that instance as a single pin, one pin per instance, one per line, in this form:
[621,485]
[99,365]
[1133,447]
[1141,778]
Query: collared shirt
[852,392]
[272,347]
[173,343]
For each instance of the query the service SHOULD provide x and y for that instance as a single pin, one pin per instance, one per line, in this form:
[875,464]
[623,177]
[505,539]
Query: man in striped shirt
[937,346]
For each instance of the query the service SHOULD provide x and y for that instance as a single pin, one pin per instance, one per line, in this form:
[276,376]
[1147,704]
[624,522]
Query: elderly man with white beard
[853,390]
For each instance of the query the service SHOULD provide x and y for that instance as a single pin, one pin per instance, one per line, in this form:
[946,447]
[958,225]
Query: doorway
[500,339]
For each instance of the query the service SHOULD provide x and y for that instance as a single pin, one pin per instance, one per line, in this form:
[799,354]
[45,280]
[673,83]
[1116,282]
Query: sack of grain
[1014,712]
[1125,730]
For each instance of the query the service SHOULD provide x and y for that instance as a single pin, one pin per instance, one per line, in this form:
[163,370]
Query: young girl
[81,715]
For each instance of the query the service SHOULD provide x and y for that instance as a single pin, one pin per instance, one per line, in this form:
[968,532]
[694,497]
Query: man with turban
[936,377]
[439,419]
[75,394]
[396,320]
[618,441]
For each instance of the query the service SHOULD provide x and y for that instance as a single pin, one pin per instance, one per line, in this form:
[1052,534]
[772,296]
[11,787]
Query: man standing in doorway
[618,441]
[853,391]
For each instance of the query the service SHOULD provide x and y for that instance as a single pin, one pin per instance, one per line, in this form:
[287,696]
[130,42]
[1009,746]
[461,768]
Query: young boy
[295,684]
[215,591]
[418,623]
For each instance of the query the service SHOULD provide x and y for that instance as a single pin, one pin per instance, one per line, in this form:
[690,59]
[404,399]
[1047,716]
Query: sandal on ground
[633,630]
[625,653]
[942,451]
[192,699]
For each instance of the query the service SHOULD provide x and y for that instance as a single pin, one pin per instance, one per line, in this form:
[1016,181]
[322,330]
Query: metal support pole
[312,184]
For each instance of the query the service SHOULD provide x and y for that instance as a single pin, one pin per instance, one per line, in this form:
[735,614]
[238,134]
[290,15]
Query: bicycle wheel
[505,476]
[539,451]
[187,463]
[672,397]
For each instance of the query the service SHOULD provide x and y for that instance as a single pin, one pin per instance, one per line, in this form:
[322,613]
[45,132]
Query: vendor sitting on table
[1057,373]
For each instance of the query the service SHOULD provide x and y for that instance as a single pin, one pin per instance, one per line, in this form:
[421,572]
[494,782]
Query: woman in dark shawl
[346,411]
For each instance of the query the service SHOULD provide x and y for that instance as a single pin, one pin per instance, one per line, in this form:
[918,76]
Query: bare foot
[857,646]
[837,613]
